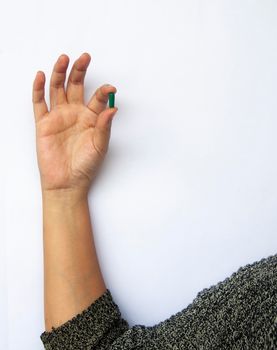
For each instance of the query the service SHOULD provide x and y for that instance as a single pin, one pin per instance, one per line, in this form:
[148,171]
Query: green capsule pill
[111,99]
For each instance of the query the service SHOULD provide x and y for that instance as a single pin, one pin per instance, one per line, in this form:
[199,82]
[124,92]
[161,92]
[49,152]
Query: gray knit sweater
[238,313]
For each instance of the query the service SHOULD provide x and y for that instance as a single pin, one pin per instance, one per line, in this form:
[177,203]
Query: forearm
[72,275]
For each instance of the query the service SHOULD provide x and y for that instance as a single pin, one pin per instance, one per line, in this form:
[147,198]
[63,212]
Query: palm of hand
[72,139]
[65,144]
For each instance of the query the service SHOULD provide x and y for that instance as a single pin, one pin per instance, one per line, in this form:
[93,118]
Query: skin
[72,140]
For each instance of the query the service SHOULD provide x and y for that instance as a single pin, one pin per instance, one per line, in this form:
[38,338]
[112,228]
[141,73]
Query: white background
[188,191]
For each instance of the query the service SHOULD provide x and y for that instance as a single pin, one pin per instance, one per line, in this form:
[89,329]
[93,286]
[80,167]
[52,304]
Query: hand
[72,139]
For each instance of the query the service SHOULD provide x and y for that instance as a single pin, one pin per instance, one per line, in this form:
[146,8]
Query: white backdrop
[188,191]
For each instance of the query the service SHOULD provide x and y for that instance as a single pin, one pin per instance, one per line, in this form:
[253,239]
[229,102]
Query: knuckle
[100,96]
[57,81]
[76,79]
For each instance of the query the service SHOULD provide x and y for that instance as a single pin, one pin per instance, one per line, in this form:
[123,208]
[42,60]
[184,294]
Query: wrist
[65,196]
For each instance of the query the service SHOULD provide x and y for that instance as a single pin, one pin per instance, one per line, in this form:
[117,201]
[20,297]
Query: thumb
[103,129]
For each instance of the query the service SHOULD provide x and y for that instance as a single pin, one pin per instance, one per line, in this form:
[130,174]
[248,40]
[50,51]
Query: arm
[72,276]
[72,139]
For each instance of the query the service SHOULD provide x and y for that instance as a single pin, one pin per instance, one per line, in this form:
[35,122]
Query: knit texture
[238,313]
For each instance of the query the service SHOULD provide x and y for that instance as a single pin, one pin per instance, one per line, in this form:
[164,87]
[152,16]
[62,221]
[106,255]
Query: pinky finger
[39,104]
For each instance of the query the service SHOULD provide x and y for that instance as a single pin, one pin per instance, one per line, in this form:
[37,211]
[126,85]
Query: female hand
[72,139]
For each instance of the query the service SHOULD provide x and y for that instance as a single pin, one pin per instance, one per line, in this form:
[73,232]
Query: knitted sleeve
[97,327]
[237,313]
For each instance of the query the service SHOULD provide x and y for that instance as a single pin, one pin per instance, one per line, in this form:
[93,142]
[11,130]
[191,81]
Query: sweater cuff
[85,329]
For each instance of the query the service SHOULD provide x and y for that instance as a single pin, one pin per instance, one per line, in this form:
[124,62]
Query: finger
[103,130]
[57,93]
[75,84]
[98,101]
[39,104]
